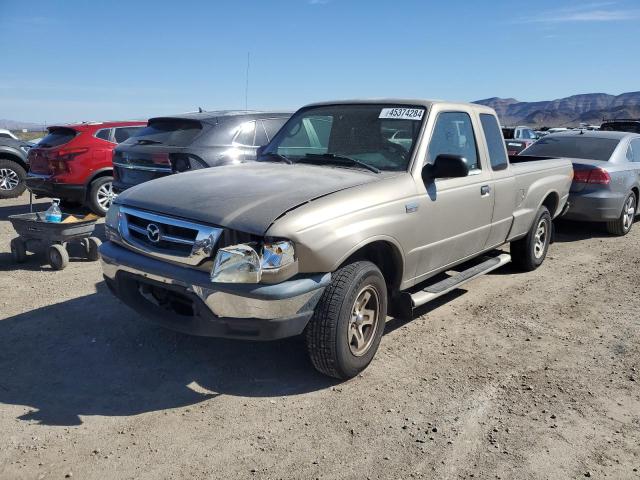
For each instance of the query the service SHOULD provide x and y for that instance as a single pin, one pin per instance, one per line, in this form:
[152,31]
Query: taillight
[594,175]
[161,159]
[58,160]
[66,155]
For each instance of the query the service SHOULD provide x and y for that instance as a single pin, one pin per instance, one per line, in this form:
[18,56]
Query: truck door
[504,194]
[455,213]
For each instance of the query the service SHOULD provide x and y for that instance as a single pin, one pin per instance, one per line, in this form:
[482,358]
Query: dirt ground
[516,376]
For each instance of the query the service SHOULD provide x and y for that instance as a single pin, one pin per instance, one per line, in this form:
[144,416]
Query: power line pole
[246,87]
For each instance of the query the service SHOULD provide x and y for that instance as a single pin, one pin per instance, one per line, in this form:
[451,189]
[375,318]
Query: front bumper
[595,206]
[185,299]
[44,186]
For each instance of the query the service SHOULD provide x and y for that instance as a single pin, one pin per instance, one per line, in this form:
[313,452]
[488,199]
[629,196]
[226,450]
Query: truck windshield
[372,136]
[573,146]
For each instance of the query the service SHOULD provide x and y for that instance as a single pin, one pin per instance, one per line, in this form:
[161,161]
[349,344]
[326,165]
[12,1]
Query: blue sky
[78,60]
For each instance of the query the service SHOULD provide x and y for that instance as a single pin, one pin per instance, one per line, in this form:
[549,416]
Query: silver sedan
[606,183]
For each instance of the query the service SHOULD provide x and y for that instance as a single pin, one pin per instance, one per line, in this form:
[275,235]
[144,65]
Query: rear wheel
[101,195]
[529,252]
[345,331]
[58,257]
[623,224]
[12,179]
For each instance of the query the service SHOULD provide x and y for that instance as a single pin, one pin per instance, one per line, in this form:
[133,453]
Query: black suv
[191,141]
[13,166]
[622,125]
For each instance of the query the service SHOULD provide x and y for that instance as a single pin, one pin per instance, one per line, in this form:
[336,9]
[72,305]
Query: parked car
[518,138]
[13,166]
[622,125]
[181,143]
[4,133]
[606,182]
[333,223]
[73,163]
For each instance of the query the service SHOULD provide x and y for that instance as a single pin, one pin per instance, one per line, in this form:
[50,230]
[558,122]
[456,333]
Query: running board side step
[445,286]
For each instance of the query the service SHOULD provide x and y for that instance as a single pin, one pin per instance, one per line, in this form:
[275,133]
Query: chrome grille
[168,238]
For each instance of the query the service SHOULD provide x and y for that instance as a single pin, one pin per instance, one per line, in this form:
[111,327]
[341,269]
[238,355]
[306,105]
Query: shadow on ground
[93,356]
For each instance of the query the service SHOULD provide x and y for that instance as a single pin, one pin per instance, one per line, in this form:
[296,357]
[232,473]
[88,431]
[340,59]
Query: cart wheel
[92,245]
[58,257]
[18,250]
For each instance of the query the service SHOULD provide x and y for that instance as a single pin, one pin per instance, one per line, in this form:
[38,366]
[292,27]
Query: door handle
[485,190]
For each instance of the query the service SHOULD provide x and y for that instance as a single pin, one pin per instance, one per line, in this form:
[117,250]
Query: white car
[4,133]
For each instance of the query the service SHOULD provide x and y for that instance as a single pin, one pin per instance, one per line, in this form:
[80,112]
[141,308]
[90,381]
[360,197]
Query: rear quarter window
[495,142]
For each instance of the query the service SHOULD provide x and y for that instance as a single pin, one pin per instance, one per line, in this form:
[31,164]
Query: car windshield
[573,146]
[372,136]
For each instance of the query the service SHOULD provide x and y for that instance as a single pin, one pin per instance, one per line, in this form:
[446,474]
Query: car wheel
[57,256]
[12,179]
[529,252]
[18,250]
[344,333]
[101,195]
[623,224]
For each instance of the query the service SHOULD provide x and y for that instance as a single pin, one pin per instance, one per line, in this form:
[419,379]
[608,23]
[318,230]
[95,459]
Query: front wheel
[101,195]
[345,331]
[529,252]
[622,225]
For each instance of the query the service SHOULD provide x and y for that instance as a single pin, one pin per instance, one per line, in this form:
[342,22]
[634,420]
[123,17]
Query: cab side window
[453,135]
[104,134]
[495,143]
[635,151]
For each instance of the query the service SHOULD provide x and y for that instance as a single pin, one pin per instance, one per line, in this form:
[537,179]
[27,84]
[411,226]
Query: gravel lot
[515,376]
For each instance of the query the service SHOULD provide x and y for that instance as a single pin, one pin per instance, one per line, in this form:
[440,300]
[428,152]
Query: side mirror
[446,166]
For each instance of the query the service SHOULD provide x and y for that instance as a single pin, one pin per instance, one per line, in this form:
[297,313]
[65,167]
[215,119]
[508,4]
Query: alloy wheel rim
[540,242]
[106,195]
[364,320]
[8,179]
[629,213]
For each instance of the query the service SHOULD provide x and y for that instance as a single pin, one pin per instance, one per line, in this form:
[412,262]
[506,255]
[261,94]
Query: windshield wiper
[146,141]
[277,156]
[339,159]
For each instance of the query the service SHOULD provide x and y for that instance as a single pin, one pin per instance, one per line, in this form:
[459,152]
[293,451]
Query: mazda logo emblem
[153,232]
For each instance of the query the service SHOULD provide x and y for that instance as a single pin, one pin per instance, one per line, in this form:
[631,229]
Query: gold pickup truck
[354,209]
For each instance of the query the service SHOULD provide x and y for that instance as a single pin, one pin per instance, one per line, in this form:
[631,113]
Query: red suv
[73,163]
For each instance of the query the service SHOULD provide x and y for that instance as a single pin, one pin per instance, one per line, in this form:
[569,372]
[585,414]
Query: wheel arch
[385,253]
[552,202]
[6,154]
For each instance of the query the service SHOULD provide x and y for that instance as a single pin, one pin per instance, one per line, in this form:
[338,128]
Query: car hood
[248,197]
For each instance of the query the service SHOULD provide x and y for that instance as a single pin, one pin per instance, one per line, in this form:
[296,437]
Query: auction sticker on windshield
[402,113]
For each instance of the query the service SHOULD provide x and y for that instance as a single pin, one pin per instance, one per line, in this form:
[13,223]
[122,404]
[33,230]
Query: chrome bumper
[256,307]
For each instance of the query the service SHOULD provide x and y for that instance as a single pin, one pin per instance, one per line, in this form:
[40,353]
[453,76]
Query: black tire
[57,256]
[10,172]
[329,333]
[624,222]
[93,248]
[95,192]
[529,252]
[18,250]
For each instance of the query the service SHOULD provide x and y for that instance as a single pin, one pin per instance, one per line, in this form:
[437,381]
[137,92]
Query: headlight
[237,264]
[112,221]
[242,263]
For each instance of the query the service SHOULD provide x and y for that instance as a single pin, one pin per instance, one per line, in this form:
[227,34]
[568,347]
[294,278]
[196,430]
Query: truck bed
[534,176]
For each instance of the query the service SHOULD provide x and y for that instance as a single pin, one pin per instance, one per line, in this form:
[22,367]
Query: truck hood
[248,197]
